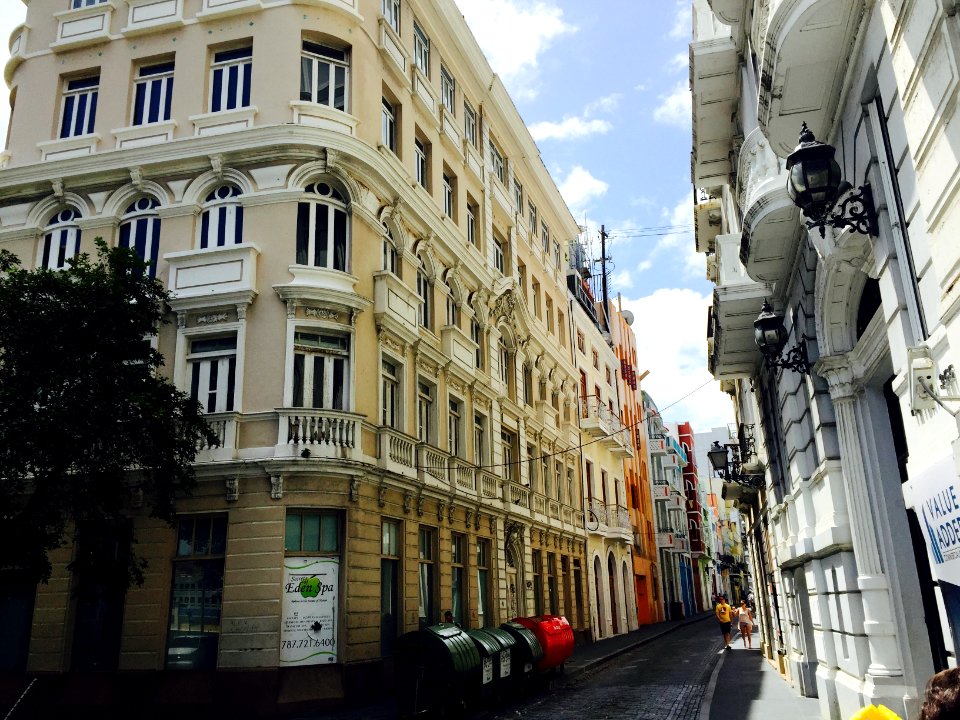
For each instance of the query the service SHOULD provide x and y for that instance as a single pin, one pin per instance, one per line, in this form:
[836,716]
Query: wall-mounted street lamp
[814,184]
[728,462]
[771,336]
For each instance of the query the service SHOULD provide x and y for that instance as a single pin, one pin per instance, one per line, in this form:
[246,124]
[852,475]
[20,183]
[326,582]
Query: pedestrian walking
[724,615]
[942,699]
[745,618]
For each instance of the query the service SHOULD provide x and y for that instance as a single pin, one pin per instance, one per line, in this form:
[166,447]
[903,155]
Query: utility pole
[603,276]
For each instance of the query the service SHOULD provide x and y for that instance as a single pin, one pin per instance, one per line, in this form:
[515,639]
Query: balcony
[450,130]
[423,91]
[398,452]
[152,15]
[18,51]
[547,415]
[581,292]
[461,349]
[657,445]
[715,85]
[666,538]
[213,276]
[807,52]
[518,497]
[224,446]
[395,306]
[320,433]
[599,422]
[83,26]
[392,49]
[707,218]
[216,9]
[771,222]
[596,513]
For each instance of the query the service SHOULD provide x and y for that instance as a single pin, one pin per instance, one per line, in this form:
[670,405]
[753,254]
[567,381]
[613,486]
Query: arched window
[140,231]
[61,241]
[323,233]
[453,308]
[425,292]
[221,223]
[391,260]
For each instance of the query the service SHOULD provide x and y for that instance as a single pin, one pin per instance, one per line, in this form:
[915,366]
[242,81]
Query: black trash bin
[525,654]
[489,648]
[437,669]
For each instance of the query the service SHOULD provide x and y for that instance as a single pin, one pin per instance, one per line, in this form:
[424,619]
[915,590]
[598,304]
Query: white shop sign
[311,588]
[936,492]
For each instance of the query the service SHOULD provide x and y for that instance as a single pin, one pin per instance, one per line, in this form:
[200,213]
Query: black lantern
[814,184]
[727,461]
[771,337]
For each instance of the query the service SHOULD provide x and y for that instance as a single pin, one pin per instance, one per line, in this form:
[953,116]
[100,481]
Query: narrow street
[663,679]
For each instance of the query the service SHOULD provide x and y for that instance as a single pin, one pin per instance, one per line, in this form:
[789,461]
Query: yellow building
[366,256]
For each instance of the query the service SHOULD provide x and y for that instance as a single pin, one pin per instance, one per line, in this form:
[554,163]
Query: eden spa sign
[308,633]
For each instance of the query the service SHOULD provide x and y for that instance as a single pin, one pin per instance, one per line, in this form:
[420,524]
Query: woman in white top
[746,623]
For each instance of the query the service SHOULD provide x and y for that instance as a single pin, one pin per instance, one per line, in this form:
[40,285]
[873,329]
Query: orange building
[635,469]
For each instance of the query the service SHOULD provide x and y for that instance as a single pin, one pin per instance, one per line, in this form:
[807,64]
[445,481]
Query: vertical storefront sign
[936,493]
[308,633]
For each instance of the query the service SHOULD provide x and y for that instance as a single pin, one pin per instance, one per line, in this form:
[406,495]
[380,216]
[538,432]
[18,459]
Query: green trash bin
[437,669]
[489,648]
[525,654]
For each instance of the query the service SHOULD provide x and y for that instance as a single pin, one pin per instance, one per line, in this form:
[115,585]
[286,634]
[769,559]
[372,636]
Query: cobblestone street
[663,680]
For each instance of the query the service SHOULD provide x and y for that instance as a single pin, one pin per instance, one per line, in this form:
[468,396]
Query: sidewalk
[745,686]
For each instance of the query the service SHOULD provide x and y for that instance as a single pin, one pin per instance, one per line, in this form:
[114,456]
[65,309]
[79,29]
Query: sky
[603,87]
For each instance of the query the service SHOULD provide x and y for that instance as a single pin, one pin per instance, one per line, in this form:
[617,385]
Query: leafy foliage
[86,421]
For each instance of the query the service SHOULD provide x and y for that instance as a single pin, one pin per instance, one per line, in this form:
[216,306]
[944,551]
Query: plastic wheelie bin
[524,655]
[437,669]
[555,636]
[489,647]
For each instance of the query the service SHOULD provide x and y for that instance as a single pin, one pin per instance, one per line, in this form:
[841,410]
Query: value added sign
[936,492]
[308,633]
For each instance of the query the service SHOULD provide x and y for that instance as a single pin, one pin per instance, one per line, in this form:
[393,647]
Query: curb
[573,672]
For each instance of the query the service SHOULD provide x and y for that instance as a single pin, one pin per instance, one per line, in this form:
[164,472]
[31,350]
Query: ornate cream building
[367,260]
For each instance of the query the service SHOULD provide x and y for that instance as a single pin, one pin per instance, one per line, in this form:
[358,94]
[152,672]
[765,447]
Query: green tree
[87,423]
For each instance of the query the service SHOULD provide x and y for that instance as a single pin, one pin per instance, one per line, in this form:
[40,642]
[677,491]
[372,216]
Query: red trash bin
[555,636]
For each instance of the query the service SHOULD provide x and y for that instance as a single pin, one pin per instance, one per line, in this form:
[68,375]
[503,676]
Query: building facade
[365,254]
[849,532]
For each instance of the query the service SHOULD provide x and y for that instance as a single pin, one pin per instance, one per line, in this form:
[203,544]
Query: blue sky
[603,87]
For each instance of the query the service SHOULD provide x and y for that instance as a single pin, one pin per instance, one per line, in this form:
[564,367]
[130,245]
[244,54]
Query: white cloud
[513,35]
[641,87]
[644,265]
[681,240]
[675,107]
[670,326]
[679,62]
[568,129]
[682,22]
[579,188]
[621,280]
[607,104]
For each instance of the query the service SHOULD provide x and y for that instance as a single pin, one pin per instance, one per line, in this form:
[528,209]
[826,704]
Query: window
[455,427]
[532,479]
[472,212]
[558,479]
[469,123]
[499,255]
[230,82]
[389,585]
[313,532]
[549,304]
[552,584]
[140,231]
[425,293]
[61,241]
[221,223]
[448,195]
[484,611]
[86,3]
[212,364]
[596,361]
[510,451]
[196,597]
[504,363]
[581,343]
[545,238]
[153,93]
[561,328]
[537,556]
[556,254]
[324,75]
[476,333]
[390,253]
[545,472]
[518,195]
[536,298]
[391,13]
[425,424]
[533,219]
[427,576]
[390,386]
[388,125]
[421,151]
[421,49]
[79,106]
[323,238]
[479,439]
[571,495]
[458,555]
[608,375]
[448,90]
[497,164]
[453,310]
[527,384]
[321,365]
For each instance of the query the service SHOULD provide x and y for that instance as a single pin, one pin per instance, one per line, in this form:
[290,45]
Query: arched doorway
[516,598]
[598,589]
[629,600]
[614,608]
